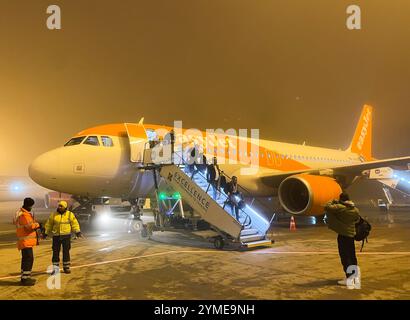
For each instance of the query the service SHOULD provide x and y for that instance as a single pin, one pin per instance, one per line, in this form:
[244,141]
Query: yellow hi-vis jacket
[62,224]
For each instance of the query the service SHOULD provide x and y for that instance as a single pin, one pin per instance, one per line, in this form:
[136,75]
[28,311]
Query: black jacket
[229,188]
[211,172]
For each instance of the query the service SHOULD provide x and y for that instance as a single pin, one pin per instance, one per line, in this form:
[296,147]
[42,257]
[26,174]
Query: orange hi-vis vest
[26,230]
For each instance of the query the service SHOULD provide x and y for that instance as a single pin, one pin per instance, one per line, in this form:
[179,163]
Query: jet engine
[305,194]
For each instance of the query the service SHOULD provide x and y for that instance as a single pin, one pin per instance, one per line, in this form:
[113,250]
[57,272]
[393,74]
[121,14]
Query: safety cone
[292,226]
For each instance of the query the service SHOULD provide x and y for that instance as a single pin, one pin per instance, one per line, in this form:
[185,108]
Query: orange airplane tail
[362,139]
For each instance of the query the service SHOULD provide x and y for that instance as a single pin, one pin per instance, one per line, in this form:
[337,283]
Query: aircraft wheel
[144,233]
[137,226]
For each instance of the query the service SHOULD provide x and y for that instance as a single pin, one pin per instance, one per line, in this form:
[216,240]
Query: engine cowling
[52,198]
[305,194]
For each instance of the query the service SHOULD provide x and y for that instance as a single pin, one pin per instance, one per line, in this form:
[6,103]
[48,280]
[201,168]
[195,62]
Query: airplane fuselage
[106,171]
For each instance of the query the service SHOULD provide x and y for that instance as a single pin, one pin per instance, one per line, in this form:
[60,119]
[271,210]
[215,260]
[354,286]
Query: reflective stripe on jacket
[26,230]
[62,224]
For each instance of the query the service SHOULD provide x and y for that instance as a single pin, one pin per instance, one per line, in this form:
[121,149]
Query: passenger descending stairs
[249,231]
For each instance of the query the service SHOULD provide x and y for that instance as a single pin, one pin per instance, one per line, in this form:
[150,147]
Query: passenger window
[92,140]
[74,141]
[107,141]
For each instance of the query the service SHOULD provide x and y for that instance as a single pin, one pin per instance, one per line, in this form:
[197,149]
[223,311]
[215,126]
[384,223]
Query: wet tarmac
[303,264]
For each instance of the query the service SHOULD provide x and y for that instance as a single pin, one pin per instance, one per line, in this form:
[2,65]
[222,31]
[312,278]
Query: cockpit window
[107,141]
[74,141]
[92,140]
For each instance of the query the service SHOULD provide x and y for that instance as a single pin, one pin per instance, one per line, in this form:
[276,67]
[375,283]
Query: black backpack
[363,228]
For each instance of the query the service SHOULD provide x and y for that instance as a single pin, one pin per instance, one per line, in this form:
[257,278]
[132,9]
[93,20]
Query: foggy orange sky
[289,68]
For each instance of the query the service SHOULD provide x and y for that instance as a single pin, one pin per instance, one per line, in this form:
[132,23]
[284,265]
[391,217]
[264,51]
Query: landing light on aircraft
[104,217]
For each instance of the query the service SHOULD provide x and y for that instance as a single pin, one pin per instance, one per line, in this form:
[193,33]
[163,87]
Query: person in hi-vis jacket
[60,225]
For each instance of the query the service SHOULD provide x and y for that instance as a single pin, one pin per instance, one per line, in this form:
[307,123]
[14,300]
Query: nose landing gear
[139,228]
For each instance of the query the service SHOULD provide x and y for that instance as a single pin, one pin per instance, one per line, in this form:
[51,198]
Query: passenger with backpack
[213,175]
[235,198]
[342,217]
[196,161]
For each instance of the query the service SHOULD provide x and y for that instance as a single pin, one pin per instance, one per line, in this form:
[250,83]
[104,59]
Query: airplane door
[138,138]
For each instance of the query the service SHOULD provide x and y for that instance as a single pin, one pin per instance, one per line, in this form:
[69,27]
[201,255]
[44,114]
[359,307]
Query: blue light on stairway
[257,214]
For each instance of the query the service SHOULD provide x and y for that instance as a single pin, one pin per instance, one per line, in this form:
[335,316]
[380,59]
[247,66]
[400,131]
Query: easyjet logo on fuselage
[363,132]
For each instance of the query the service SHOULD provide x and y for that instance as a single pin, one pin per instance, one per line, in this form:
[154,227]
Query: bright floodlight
[104,217]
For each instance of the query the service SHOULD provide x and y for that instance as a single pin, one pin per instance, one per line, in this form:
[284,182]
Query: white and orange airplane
[106,161]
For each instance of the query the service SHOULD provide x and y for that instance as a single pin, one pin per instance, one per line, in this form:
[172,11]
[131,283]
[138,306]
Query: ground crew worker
[27,237]
[60,225]
[342,216]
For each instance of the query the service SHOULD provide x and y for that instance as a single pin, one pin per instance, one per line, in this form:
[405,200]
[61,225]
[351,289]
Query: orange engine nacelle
[305,194]
[52,199]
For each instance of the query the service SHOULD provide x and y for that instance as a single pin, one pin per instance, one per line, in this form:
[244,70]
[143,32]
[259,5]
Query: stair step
[202,184]
[252,238]
[248,232]
[261,243]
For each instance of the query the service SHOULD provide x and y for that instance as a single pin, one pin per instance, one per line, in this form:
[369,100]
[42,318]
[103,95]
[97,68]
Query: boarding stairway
[250,230]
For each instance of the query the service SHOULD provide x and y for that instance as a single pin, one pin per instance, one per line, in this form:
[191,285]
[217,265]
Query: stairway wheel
[219,243]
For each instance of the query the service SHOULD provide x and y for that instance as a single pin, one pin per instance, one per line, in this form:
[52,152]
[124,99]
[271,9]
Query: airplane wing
[357,169]
[350,170]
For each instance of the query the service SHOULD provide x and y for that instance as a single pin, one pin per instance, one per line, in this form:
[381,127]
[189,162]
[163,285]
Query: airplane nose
[45,168]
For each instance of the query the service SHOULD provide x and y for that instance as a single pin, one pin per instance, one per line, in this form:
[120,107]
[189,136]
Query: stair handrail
[247,192]
[247,221]
[241,211]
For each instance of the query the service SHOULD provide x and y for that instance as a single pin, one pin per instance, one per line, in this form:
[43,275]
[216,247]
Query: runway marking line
[8,244]
[8,231]
[208,251]
[123,259]
[335,252]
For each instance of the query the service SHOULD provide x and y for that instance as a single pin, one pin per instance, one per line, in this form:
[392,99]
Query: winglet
[362,139]
[141,121]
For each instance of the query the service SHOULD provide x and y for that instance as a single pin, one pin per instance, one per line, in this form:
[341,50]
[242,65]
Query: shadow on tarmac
[319,283]
[8,283]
